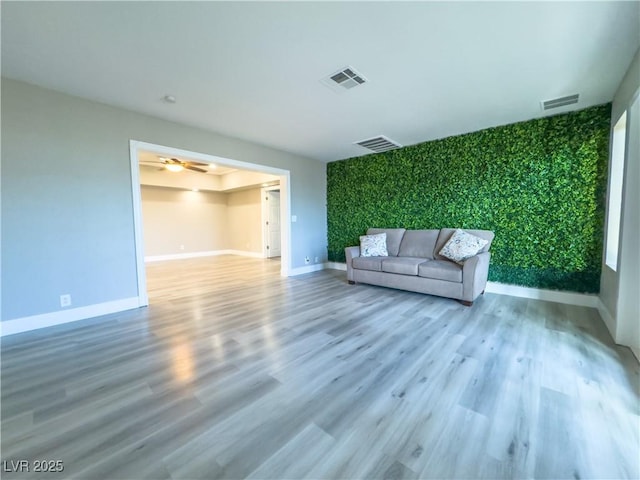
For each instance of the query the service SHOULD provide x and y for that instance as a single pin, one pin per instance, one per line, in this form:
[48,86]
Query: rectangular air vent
[379,144]
[344,79]
[559,102]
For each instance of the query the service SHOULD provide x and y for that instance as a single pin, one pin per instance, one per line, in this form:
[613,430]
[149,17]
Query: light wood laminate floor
[236,372]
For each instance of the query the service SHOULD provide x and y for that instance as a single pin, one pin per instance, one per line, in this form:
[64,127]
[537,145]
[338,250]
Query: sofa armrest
[350,253]
[474,276]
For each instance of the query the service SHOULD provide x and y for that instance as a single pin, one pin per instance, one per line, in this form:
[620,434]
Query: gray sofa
[414,264]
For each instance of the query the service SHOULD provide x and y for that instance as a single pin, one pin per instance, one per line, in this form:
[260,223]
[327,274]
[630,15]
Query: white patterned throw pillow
[374,245]
[462,246]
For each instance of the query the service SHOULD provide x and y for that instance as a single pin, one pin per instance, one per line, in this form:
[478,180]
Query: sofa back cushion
[394,237]
[418,243]
[445,235]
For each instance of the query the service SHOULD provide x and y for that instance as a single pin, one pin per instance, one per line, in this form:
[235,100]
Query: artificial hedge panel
[540,185]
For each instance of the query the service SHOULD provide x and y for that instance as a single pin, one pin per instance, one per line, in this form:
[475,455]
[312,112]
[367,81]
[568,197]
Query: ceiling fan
[177,165]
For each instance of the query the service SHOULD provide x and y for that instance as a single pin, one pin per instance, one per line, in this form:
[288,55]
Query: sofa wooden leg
[351,282]
[466,303]
[482,292]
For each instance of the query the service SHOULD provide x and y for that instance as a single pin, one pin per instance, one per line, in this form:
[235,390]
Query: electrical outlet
[181,247]
[316,260]
[65,300]
[307,260]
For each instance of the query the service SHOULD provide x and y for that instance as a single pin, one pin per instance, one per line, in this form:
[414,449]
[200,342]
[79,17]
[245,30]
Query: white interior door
[273,225]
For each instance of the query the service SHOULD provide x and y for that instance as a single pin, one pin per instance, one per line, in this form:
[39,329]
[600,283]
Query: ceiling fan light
[173,167]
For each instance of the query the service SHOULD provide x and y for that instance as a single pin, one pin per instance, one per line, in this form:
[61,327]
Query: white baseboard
[607,318]
[19,325]
[181,256]
[308,269]
[569,298]
[34,322]
[243,253]
[336,266]
[209,253]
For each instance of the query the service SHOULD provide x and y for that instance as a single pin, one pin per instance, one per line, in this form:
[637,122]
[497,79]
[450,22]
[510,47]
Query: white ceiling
[215,178]
[252,70]
[152,159]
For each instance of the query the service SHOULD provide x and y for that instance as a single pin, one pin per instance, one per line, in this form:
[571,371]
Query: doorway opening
[137,149]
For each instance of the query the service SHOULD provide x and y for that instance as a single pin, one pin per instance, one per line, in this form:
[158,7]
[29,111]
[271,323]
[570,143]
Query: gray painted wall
[244,220]
[173,218]
[69,229]
[200,221]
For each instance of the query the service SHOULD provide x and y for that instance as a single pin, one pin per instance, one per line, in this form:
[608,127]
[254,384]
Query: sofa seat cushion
[441,270]
[402,265]
[368,263]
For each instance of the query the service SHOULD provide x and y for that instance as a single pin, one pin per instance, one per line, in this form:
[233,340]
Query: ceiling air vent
[379,144]
[344,79]
[559,102]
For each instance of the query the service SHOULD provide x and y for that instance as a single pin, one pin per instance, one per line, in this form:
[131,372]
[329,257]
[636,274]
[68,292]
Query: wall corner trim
[35,322]
[607,318]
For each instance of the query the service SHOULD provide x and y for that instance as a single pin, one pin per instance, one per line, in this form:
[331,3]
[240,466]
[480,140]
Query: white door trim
[136,195]
[136,146]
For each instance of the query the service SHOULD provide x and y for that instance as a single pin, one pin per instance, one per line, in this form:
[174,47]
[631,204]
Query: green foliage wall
[540,185]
